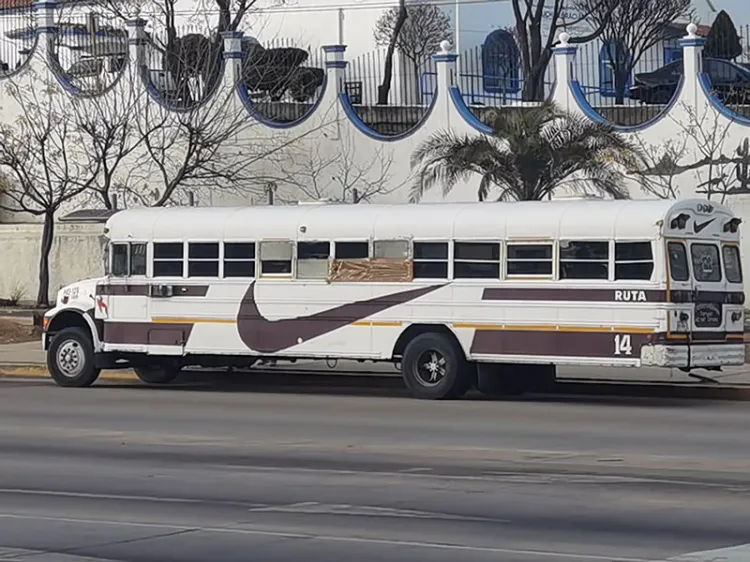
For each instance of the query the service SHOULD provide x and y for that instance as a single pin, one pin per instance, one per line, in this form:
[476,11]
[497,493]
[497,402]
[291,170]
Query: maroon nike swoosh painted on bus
[270,336]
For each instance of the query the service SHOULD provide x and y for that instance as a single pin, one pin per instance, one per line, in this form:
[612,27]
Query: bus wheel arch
[433,363]
[71,319]
[71,358]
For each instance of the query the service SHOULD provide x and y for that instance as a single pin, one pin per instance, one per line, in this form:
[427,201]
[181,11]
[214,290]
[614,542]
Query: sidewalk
[28,359]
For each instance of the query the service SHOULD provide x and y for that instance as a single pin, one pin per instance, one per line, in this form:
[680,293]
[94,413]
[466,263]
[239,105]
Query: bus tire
[161,374]
[70,359]
[434,368]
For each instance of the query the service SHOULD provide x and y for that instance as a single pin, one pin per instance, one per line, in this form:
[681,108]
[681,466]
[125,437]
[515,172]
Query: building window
[476,260]
[276,258]
[239,259]
[613,55]
[529,259]
[430,260]
[633,260]
[312,260]
[203,259]
[168,259]
[584,260]
[501,63]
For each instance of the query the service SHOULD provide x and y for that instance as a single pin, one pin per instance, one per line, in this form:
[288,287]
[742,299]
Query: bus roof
[567,219]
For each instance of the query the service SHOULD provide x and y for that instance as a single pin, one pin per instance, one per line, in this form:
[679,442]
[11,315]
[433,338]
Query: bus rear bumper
[694,356]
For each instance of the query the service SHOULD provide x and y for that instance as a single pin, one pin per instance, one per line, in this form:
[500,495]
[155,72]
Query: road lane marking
[122,497]
[318,508]
[739,553]
[549,554]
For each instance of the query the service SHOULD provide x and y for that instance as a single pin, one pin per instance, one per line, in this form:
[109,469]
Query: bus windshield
[706,262]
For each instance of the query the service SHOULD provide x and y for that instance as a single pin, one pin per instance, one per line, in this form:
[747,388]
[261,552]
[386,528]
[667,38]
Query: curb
[40,372]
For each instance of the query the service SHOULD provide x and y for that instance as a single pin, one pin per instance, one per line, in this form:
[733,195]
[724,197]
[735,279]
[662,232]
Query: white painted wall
[330,136]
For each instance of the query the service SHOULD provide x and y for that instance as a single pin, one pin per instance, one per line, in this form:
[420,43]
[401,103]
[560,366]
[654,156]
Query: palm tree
[529,154]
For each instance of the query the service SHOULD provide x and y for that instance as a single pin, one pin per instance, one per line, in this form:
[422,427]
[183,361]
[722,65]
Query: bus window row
[584,260]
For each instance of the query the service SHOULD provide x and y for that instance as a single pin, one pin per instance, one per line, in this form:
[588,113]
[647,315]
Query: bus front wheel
[70,359]
[434,368]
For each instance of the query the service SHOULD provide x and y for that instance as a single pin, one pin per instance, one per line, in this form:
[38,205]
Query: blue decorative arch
[154,93]
[594,115]
[465,112]
[356,120]
[62,76]
[705,82]
[258,116]
[501,63]
[606,71]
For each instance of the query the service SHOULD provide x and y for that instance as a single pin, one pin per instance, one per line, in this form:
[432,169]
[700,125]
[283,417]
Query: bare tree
[700,149]
[632,29]
[45,161]
[342,175]
[538,23]
[424,29]
[401,15]
[114,129]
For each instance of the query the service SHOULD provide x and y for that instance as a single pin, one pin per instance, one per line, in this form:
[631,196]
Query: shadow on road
[594,393]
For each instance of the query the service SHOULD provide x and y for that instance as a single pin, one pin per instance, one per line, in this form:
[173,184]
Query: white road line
[739,553]
[332,538]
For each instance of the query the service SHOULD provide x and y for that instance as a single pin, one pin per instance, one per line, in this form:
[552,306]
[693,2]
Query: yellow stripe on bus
[556,328]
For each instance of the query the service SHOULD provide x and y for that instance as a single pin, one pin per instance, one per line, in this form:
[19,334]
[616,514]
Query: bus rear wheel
[434,368]
[157,374]
[70,359]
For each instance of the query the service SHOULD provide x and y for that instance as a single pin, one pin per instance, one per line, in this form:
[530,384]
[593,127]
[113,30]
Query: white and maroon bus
[459,295]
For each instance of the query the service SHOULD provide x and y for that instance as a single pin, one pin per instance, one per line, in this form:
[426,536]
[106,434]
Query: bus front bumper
[694,356]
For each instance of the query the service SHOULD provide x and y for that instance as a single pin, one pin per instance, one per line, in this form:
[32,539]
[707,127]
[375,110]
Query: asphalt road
[228,474]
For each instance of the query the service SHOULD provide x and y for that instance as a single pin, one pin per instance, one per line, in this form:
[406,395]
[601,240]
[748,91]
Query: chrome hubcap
[431,368]
[70,359]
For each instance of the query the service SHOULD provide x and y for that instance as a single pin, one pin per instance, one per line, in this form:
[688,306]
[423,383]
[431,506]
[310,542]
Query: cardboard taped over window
[371,269]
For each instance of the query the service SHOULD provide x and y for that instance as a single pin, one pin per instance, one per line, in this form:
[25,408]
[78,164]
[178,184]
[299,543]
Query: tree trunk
[417,84]
[385,88]
[621,82]
[533,76]
[48,237]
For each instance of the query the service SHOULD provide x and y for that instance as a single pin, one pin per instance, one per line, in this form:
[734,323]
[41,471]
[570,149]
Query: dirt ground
[15,331]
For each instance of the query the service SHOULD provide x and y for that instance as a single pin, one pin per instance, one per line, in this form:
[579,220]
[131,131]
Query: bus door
[710,290]
[681,288]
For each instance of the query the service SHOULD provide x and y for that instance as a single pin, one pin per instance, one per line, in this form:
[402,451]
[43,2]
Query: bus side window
[678,262]
[120,258]
[584,260]
[239,259]
[203,259]
[732,268]
[312,260]
[633,260]
[529,259]
[430,260]
[352,250]
[276,257]
[168,259]
[476,260]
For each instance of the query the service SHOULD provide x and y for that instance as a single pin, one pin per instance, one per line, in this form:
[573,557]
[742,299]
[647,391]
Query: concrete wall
[76,254]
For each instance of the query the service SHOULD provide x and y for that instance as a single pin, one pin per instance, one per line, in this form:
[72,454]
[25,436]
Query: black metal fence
[90,49]
[395,107]
[18,40]
[630,88]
